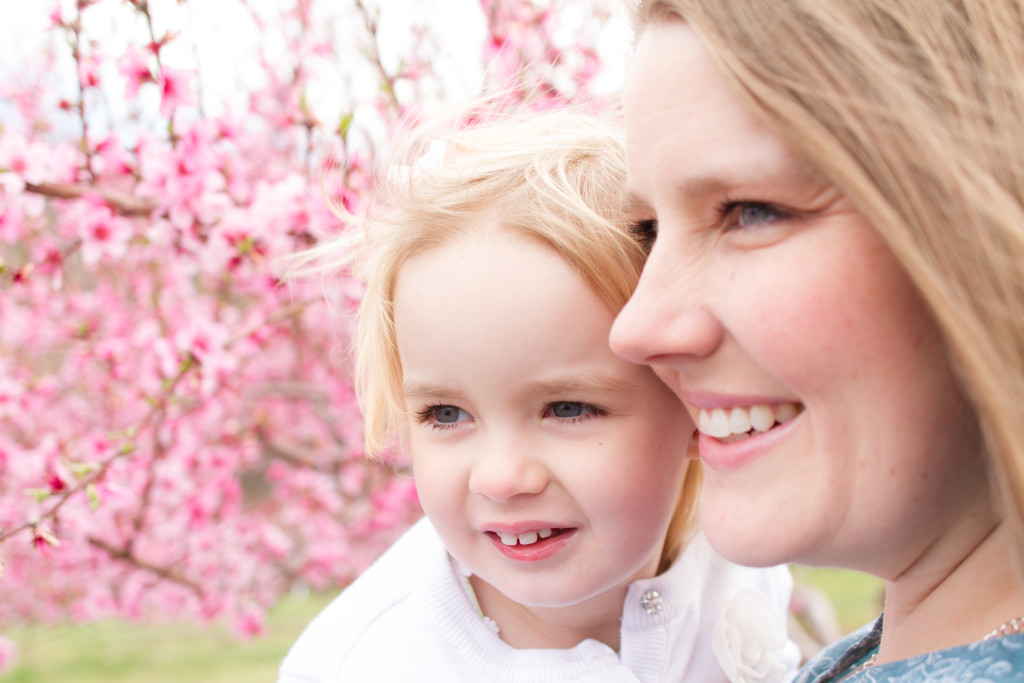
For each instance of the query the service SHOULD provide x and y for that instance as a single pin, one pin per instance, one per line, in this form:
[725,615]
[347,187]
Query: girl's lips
[727,456]
[535,551]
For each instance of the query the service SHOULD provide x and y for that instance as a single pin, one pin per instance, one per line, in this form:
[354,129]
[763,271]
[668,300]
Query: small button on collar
[651,602]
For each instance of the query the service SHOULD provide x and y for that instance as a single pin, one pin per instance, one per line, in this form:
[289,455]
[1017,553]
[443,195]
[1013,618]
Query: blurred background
[182,486]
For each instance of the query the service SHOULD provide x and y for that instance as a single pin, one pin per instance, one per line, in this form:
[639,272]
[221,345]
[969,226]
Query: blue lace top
[997,660]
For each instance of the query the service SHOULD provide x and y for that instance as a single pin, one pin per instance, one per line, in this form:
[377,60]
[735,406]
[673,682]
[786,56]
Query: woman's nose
[505,469]
[669,317]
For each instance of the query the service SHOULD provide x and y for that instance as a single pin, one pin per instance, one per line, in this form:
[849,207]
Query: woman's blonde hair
[557,178]
[915,109]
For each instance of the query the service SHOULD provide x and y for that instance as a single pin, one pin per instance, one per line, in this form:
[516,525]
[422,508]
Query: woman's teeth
[723,423]
[528,538]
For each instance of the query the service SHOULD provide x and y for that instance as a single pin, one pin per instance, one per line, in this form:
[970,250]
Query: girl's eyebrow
[582,383]
[560,385]
[429,392]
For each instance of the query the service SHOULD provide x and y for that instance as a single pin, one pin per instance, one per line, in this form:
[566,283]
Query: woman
[833,191]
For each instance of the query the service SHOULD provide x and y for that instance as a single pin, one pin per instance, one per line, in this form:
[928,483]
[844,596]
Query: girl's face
[831,428]
[549,466]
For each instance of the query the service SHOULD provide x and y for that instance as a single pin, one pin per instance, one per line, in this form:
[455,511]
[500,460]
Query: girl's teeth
[528,538]
[722,423]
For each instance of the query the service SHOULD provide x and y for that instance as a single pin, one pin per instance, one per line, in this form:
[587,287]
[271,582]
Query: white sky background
[219,36]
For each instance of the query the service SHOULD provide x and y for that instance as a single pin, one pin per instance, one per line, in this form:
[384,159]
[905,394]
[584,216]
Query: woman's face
[831,428]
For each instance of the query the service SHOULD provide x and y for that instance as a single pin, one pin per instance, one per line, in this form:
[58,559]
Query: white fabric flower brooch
[750,639]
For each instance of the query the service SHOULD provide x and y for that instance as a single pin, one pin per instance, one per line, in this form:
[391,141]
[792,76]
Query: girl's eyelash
[590,411]
[426,416]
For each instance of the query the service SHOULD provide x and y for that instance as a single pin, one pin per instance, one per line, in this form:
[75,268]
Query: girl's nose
[505,470]
[668,317]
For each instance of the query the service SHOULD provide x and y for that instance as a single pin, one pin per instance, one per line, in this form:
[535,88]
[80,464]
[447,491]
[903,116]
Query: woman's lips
[733,451]
[735,423]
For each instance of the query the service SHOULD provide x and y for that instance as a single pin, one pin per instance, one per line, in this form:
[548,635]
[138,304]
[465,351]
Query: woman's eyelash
[644,232]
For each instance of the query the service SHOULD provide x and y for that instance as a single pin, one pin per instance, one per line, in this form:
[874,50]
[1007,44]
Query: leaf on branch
[344,125]
[82,469]
[40,494]
[94,496]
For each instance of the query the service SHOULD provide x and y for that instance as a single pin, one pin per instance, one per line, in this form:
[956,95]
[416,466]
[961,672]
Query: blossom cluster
[178,433]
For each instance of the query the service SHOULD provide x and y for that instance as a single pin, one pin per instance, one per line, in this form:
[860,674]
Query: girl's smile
[533,546]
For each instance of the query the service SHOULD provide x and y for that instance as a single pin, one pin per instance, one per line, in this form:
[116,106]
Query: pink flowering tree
[178,434]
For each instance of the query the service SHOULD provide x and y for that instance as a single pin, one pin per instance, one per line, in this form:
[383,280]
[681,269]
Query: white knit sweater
[408,619]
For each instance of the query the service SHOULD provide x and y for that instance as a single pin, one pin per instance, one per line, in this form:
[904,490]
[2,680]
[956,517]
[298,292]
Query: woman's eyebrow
[691,186]
[636,205]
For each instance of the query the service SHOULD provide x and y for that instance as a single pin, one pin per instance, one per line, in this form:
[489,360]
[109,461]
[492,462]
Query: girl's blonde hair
[557,178]
[915,109]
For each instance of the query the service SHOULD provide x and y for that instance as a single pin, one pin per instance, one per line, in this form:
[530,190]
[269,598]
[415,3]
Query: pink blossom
[115,160]
[133,67]
[194,412]
[174,91]
[12,218]
[251,623]
[88,71]
[56,20]
[104,235]
[10,395]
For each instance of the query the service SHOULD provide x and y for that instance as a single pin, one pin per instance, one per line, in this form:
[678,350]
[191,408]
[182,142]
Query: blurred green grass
[119,652]
[855,597]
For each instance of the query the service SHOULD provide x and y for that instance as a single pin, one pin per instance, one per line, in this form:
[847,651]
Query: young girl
[559,542]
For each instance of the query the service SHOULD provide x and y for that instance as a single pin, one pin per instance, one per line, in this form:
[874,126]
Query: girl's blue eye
[572,411]
[567,409]
[445,414]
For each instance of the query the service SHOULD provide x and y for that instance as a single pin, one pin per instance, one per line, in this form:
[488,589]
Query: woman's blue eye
[752,213]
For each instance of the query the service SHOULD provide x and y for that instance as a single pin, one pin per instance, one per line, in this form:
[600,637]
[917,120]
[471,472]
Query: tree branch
[122,202]
[162,572]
